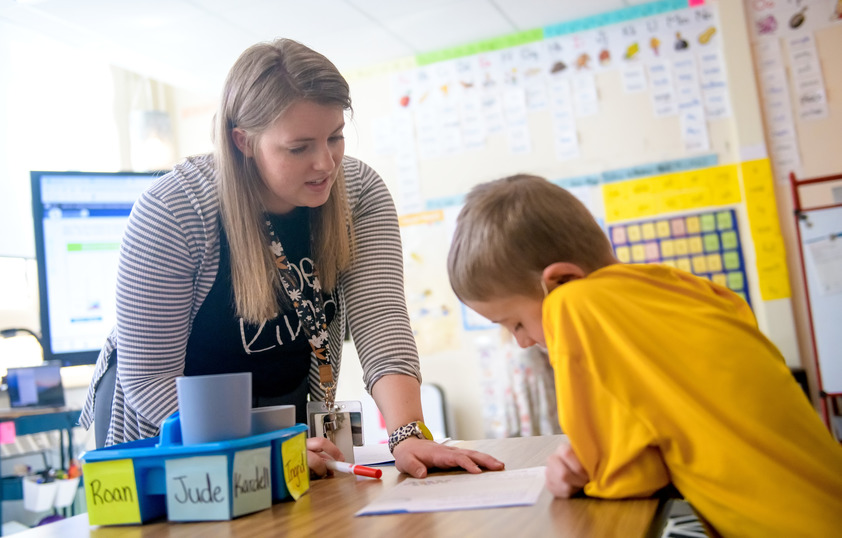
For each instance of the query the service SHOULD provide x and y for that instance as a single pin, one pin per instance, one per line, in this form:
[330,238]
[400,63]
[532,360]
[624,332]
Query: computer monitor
[79,222]
[36,386]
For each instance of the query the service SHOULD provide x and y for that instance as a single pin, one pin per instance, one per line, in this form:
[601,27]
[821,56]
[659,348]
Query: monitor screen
[37,386]
[79,222]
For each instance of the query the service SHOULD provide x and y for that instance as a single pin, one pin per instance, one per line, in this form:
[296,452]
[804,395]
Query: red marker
[359,470]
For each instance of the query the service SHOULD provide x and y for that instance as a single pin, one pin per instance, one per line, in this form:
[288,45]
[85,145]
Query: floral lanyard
[314,322]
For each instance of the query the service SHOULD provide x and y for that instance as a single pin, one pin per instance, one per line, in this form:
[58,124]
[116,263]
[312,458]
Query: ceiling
[192,43]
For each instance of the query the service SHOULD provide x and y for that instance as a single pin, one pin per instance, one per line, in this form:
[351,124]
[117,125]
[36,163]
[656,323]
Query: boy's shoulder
[618,277]
[609,284]
[652,286]
[622,275]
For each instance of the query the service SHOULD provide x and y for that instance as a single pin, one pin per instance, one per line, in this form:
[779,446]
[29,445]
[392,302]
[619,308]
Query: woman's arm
[375,299]
[379,321]
[399,399]
[155,285]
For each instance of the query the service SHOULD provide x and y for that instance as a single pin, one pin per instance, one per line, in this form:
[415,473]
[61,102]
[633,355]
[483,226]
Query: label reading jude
[198,489]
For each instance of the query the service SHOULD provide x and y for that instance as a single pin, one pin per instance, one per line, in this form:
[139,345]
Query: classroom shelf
[37,421]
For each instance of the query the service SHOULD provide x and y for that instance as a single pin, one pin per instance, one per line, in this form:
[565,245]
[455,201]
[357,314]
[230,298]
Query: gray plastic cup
[214,408]
[272,418]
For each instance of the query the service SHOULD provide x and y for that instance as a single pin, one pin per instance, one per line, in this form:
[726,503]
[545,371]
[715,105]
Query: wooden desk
[328,510]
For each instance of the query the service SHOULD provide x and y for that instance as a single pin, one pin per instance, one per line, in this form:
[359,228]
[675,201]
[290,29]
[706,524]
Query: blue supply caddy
[142,480]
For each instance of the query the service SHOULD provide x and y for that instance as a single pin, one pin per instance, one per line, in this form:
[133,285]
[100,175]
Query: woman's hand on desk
[565,474]
[319,450]
[415,456]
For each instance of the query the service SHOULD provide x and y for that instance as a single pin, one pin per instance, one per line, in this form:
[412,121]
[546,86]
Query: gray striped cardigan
[169,258]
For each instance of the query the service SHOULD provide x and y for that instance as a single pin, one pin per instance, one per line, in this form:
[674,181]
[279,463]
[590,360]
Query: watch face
[423,430]
[413,429]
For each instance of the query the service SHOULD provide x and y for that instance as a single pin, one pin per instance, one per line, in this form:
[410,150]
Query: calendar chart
[706,244]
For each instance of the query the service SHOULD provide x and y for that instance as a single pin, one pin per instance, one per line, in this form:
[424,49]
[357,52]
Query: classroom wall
[776,318]
[623,134]
[817,140]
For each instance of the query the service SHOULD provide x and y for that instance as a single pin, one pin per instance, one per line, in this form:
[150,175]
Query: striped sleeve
[162,249]
[374,287]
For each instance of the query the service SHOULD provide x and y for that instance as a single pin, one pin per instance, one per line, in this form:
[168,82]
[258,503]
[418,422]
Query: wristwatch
[413,429]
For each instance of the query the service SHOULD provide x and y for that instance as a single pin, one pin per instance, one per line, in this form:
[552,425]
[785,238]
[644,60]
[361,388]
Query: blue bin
[111,493]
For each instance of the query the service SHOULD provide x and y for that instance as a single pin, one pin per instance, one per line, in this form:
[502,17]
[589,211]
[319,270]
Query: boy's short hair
[512,228]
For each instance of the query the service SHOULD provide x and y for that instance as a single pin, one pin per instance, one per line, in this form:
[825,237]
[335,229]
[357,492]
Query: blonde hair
[263,83]
[511,229]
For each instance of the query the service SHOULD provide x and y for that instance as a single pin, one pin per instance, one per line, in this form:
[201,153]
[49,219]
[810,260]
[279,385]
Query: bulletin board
[818,204]
[706,244]
[632,87]
[821,240]
[796,47]
[645,114]
[638,112]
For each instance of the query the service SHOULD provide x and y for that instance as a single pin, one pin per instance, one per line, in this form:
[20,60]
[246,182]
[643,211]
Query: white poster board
[821,247]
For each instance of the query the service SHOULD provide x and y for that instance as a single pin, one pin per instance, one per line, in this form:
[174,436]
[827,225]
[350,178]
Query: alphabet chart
[706,244]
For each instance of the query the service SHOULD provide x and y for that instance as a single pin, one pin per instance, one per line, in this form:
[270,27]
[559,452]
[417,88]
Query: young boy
[661,377]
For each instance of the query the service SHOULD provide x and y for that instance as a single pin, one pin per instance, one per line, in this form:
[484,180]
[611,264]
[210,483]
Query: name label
[296,471]
[198,489]
[111,492]
[252,481]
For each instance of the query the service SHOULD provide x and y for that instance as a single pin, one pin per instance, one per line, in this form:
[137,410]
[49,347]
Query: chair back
[103,398]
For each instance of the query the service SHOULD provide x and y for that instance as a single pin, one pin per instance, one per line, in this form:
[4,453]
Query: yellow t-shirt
[663,377]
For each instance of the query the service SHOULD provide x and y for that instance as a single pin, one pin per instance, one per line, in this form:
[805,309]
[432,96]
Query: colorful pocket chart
[705,244]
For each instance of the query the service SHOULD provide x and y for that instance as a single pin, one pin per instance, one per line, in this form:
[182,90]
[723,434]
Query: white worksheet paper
[490,489]
[378,453]
[373,454]
[826,256]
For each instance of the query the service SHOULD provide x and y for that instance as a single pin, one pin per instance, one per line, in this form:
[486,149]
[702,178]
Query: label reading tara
[111,492]
[198,489]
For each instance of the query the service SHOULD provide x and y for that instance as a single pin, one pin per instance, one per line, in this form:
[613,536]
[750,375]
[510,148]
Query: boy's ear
[241,140]
[559,273]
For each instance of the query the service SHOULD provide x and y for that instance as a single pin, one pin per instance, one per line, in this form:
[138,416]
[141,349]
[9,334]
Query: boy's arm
[596,364]
[565,475]
[617,451]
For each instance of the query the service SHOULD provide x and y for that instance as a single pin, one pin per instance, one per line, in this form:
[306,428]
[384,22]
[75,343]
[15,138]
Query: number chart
[705,244]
